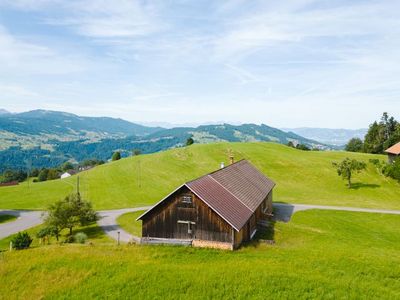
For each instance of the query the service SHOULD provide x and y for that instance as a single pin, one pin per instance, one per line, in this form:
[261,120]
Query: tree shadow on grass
[360,185]
[92,231]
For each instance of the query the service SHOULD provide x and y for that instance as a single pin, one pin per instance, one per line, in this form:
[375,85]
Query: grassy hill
[301,177]
[318,255]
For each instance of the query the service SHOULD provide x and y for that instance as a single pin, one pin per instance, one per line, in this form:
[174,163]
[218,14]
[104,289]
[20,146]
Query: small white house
[67,174]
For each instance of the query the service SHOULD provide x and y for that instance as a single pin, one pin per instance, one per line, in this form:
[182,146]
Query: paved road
[108,223]
[283,212]
[25,220]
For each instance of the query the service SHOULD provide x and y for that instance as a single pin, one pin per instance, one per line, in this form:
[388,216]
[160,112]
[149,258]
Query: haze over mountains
[337,137]
[48,138]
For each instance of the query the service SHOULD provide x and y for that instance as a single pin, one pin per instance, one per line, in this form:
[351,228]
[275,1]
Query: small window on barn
[187,199]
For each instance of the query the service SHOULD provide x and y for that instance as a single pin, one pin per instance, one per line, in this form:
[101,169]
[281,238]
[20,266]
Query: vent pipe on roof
[222,165]
[232,159]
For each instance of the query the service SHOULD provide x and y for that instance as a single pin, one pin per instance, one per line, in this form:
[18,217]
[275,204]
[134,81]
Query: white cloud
[18,56]
[286,63]
[103,19]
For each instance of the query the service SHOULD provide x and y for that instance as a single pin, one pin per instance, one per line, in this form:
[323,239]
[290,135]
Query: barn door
[186,217]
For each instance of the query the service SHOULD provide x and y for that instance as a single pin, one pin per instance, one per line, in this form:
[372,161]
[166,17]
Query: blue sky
[282,63]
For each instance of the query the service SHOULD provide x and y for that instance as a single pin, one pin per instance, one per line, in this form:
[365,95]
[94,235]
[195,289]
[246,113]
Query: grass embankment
[301,177]
[319,254]
[129,224]
[7,218]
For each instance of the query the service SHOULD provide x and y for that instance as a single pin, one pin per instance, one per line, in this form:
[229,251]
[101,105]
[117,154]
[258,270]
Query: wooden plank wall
[163,221]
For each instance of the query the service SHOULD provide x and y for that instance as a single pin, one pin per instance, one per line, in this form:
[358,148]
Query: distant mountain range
[337,137]
[44,138]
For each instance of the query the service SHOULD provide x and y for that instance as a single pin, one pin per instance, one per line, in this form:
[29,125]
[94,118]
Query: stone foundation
[212,244]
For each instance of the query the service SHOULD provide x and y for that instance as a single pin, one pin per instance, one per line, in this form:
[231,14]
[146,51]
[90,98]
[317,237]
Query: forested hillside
[48,139]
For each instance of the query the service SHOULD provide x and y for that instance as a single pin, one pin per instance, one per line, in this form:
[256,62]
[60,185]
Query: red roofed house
[219,210]
[393,152]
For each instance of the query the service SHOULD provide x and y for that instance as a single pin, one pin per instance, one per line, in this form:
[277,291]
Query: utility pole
[77,185]
[28,166]
[139,183]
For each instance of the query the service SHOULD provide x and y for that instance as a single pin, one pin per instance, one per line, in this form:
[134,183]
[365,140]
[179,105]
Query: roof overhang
[159,202]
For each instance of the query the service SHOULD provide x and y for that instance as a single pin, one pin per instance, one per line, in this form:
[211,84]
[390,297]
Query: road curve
[108,222]
[25,220]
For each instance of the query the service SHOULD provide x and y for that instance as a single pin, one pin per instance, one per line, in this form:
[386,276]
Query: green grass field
[301,177]
[129,224]
[7,218]
[319,254]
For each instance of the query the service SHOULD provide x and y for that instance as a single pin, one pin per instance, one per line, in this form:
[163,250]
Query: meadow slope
[318,255]
[301,177]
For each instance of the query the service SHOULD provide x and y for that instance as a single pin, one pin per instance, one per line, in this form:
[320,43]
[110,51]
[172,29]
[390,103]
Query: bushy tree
[67,166]
[116,156]
[355,145]
[21,241]
[14,175]
[347,167]
[302,147]
[69,213]
[136,152]
[43,175]
[189,141]
[91,163]
[393,170]
[34,172]
[46,232]
[52,174]
[290,144]
[382,135]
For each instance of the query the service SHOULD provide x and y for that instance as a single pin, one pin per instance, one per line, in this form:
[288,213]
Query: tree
[116,156]
[189,141]
[136,152]
[290,144]
[382,135]
[67,166]
[355,145]
[52,174]
[34,172]
[44,233]
[302,147]
[91,163]
[11,175]
[43,175]
[69,213]
[393,170]
[347,167]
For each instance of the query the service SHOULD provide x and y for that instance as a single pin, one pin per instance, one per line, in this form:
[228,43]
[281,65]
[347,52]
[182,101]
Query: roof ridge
[215,171]
[209,175]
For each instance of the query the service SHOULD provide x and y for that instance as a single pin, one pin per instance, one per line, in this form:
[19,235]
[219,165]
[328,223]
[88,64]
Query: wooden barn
[219,210]
[393,152]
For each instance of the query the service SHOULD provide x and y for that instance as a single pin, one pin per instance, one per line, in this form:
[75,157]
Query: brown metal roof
[224,203]
[227,190]
[395,149]
[234,192]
